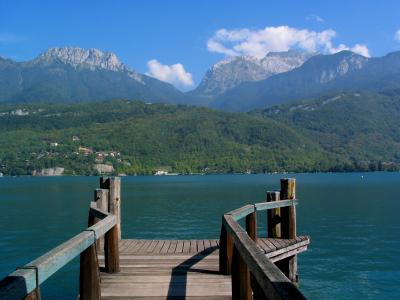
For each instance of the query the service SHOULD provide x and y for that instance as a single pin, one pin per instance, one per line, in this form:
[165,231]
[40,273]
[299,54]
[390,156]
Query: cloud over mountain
[397,36]
[174,74]
[259,42]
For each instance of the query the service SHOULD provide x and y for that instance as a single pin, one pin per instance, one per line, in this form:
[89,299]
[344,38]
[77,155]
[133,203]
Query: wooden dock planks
[161,269]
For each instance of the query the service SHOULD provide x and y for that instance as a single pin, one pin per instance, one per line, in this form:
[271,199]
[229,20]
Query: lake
[352,219]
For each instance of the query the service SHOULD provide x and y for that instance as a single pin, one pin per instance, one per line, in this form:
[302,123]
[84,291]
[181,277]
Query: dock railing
[253,274]
[103,222]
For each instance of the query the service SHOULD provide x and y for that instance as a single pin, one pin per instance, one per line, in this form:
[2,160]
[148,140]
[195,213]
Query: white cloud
[174,74]
[397,36]
[315,18]
[258,43]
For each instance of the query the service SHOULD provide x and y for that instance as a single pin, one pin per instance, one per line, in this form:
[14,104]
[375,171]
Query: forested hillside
[139,138]
[336,132]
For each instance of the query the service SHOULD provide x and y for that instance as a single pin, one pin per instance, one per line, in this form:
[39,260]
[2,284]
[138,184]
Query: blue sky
[177,41]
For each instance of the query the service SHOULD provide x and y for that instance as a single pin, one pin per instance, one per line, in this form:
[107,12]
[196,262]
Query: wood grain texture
[147,272]
[273,216]
[89,277]
[289,230]
[111,250]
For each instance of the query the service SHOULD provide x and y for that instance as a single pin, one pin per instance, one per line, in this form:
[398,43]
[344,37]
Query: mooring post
[113,236]
[288,226]
[273,216]
[225,251]
[241,287]
[101,199]
[251,226]
[89,276]
[113,184]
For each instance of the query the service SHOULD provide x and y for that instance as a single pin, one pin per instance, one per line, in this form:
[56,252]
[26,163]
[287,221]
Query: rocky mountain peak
[92,59]
[79,57]
[346,62]
[232,71]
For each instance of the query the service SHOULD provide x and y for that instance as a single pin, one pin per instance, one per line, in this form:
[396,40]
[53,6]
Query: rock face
[229,73]
[321,73]
[57,171]
[87,58]
[103,168]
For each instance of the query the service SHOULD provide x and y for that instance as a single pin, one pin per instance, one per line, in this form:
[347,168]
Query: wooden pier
[239,265]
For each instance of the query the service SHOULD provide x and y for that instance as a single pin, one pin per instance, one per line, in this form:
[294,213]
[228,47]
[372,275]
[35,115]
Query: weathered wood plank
[179,247]
[241,212]
[144,247]
[193,246]
[186,246]
[159,246]
[207,245]
[172,246]
[275,204]
[200,246]
[151,246]
[165,247]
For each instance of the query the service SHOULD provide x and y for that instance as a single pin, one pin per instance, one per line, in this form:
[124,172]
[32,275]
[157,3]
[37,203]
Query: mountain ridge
[71,74]
[228,73]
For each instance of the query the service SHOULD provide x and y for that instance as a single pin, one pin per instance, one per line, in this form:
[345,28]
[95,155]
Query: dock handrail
[24,283]
[253,274]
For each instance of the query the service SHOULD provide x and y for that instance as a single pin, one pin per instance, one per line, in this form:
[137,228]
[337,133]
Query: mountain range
[75,74]
[240,83]
[235,70]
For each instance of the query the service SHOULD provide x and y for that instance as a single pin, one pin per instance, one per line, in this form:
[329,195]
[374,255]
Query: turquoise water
[353,223]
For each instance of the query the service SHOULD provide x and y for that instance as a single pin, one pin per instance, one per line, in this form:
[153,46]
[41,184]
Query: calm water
[353,222]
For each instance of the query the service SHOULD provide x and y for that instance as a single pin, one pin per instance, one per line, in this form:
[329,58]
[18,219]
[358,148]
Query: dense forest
[128,137]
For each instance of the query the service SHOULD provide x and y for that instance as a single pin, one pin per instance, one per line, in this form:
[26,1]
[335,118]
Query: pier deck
[239,265]
[174,269]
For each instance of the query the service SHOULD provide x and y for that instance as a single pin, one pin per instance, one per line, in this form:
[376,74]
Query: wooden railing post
[111,251]
[89,277]
[225,251]
[113,236]
[101,199]
[251,226]
[288,227]
[241,288]
[273,216]
[113,184]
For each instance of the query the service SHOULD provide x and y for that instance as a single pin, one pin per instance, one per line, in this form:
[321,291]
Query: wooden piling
[273,216]
[89,277]
[251,226]
[101,199]
[288,226]
[111,251]
[241,287]
[225,252]
[113,184]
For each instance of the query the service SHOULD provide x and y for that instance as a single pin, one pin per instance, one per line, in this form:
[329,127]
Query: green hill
[138,138]
[336,132]
[359,129]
